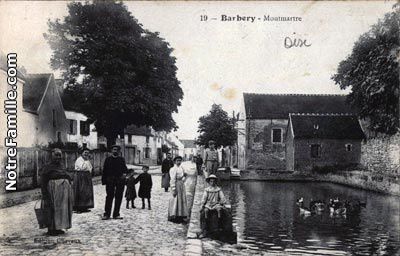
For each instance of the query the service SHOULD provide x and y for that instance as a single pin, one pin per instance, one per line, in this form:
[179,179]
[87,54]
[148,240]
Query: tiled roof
[326,126]
[33,91]
[189,143]
[141,130]
[278,106]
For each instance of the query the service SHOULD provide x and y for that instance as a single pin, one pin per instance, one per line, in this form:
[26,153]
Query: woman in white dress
[178,209]
[83,186]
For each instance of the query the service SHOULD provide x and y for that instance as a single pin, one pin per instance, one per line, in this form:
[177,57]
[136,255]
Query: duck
[317,206]
[336,207]
[303,210]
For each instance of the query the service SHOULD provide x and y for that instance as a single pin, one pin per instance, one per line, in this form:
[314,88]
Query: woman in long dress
[178,209]
[83,186]
[57,195]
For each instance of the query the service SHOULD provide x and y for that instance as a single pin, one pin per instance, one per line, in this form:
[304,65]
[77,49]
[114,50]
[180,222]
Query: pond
[267,219]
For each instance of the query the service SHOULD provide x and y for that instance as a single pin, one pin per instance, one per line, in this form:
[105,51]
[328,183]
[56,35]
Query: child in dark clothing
[145,186]
[130,193]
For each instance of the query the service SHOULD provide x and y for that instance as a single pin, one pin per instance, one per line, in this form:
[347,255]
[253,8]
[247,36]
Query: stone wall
[333,153]
[389,184]
[261,153]
[382,154]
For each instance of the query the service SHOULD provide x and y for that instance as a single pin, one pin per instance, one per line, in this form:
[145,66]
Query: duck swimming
[303,210]
[337,207]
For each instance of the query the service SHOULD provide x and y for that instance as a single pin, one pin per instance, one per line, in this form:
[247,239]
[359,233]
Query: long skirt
[165,179]
[59,204]
[83,190]
[178,208]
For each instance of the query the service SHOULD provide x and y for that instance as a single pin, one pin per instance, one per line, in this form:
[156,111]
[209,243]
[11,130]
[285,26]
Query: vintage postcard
[199,128]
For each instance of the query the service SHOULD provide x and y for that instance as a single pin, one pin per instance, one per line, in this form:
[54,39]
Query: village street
[141,232]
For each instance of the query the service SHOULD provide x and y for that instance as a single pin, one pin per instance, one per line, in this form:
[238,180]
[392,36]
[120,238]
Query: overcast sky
[219,60]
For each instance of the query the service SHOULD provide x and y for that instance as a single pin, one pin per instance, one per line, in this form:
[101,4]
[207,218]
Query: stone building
[323,140]
[263,120]
[190,149]
[140,145]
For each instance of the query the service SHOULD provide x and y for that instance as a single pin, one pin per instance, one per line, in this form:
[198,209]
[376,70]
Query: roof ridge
[39,73]
[322,114]
[295,94]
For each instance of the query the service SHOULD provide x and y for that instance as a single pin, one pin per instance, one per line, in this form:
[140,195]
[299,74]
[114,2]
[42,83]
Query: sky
[219,60]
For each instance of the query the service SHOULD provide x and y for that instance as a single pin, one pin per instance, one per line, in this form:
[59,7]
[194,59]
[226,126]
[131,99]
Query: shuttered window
[72,127]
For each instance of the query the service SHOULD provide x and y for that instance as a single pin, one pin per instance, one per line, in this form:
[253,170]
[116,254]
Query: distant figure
[113,177]
[57,195]
[82,185]
[130,193]
[166,165]
[177,210]
[145,186]
[213,197]
[211,158]
[199,164]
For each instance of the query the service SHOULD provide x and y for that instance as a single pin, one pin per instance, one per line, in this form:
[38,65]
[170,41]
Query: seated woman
[213,197]
[215,218]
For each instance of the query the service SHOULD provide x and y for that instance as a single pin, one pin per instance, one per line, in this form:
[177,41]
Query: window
[349,147]
[276,135]
[72,126]
[315,151]
[85,128]
[54,117]
[147,152]
[129,138]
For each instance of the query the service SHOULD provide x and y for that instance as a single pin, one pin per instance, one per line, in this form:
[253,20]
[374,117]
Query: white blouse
[176,172]
[83,165]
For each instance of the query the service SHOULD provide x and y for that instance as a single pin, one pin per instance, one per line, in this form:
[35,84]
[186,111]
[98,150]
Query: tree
[115,72]
[216,126]
[372,73]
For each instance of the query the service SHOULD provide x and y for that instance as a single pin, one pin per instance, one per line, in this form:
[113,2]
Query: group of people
[63,193]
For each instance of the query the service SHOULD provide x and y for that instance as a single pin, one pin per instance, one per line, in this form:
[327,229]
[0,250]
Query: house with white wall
[81,131]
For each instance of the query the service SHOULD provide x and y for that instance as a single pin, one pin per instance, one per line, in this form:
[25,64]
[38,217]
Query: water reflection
[268,219]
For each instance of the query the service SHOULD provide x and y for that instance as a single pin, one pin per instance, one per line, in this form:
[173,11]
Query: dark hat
[177,157]
[212,176]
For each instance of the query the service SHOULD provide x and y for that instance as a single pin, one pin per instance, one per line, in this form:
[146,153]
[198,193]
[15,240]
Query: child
[145,186]
[130,193]
[213,197]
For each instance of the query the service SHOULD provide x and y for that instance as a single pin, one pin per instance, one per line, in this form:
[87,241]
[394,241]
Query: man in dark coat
[199,164]
[165,166]
[114,178]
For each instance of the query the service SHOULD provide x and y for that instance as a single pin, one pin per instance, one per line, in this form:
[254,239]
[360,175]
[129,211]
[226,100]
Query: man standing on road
[166,165]
[114,178]
[211,158]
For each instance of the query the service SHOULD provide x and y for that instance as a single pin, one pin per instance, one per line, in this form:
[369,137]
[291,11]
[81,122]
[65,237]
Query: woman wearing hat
[213,197]
[83,186]
[177,210]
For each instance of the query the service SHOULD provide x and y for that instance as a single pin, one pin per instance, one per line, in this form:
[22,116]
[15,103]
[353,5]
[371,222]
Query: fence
[31,161]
